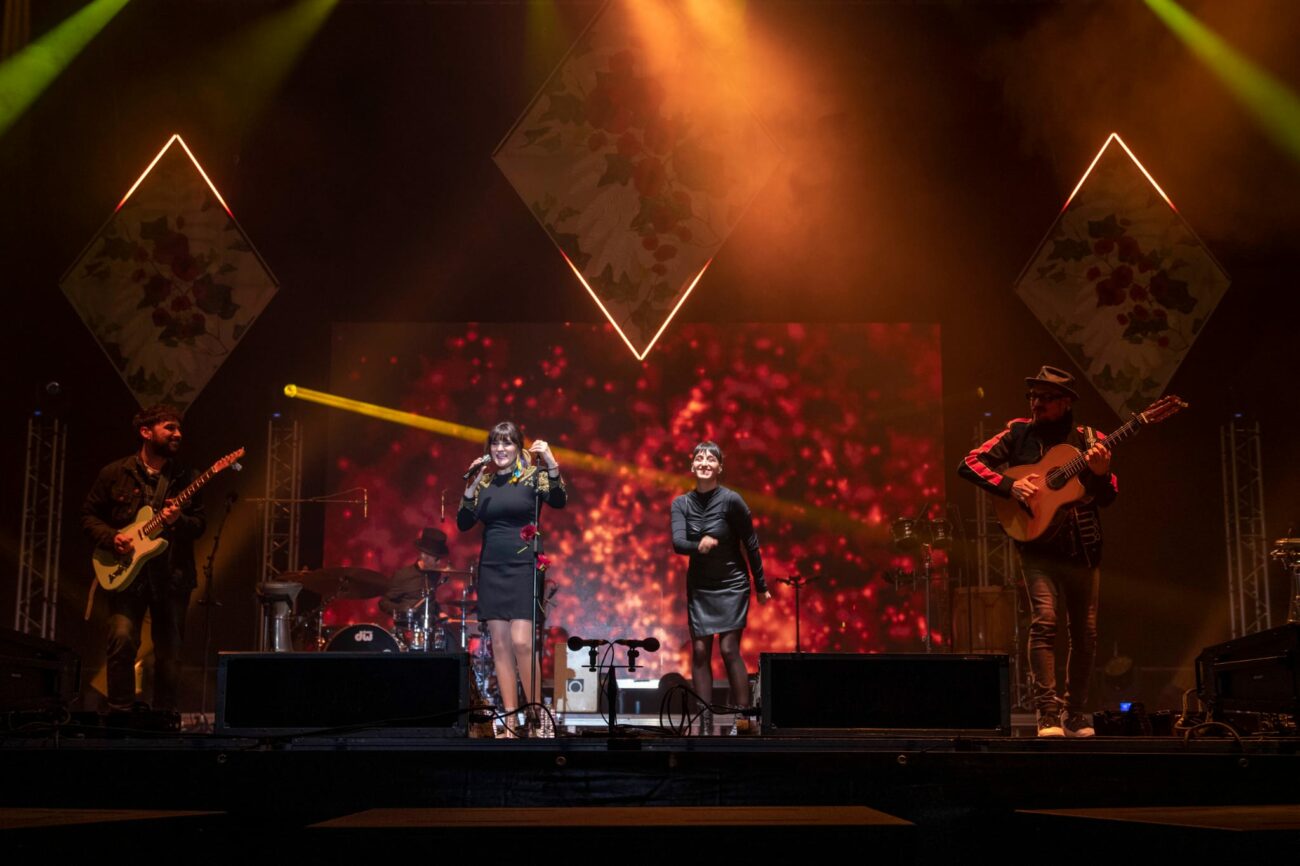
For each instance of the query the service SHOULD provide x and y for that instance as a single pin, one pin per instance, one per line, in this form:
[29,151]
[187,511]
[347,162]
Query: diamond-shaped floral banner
[1122,281]
[171,283]
[638,159]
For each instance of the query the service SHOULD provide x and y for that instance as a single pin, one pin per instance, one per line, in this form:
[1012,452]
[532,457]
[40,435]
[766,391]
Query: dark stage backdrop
[829,431]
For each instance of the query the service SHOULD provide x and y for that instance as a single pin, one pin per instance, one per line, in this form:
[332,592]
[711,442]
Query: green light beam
[27,74]
[1274,105]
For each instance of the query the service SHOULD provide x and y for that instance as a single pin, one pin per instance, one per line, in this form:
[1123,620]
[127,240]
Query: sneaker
[1049,723]
[1077,724]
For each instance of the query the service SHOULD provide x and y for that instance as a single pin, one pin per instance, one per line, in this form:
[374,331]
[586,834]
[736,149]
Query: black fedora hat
[432,541]
[1053,377]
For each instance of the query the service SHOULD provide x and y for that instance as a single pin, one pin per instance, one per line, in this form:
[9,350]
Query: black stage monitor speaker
[36,674]
[424,694]
[1257,673]
[901,693]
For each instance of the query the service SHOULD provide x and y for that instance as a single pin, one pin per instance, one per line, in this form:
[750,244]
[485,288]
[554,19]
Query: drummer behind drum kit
[339,611]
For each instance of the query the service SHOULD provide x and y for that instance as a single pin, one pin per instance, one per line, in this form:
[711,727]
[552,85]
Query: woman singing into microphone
[710,525]
[505,494]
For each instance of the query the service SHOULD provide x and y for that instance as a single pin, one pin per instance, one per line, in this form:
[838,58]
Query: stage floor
[915,797]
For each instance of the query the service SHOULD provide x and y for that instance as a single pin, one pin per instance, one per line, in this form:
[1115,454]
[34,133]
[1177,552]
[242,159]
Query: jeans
[167,608]
[1073,587]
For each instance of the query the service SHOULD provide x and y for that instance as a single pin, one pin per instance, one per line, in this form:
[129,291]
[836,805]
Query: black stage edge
[913,798]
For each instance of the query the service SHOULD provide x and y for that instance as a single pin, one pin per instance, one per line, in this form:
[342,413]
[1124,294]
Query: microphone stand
[798,582]
[208,602]
[537,595]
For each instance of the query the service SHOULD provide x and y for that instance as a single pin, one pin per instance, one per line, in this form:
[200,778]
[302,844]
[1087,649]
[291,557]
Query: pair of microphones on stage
[649,644]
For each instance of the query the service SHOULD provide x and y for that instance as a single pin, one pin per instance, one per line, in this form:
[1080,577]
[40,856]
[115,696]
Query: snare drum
[363,638]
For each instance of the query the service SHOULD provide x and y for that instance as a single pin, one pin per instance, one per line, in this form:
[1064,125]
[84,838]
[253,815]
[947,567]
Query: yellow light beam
[761,503]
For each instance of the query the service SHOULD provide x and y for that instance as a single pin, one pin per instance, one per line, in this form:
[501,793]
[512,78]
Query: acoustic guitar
[1059,485]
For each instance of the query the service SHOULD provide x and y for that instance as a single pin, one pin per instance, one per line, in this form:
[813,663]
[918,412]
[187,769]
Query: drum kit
[340,610]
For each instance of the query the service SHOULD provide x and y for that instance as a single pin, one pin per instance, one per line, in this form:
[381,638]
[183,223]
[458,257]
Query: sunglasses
[1044,397]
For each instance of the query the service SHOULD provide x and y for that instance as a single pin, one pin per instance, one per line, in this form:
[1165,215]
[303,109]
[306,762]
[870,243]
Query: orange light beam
[175,138]
[1114,136]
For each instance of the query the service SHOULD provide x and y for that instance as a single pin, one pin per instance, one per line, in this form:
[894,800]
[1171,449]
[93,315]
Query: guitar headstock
[1166,406]
[228,461]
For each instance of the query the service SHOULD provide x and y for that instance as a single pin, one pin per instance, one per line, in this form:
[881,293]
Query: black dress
[717,582]
[505,588]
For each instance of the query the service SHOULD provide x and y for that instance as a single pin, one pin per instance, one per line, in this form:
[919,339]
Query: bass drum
[363,638]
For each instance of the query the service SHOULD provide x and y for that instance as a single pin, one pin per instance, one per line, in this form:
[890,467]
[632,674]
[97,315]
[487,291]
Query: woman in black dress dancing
[710,525]
[504,494]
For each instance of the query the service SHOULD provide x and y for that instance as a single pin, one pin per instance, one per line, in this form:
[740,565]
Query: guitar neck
[1074,467]
[181,498]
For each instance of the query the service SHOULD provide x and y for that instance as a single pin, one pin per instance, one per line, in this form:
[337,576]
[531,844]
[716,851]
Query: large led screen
[829,432]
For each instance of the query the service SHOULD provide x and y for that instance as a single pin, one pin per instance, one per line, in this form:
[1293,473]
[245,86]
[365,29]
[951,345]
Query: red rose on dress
[543,562]
[529,532]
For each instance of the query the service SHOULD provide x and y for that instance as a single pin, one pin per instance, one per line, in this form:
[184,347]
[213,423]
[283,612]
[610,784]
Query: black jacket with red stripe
[1078,534]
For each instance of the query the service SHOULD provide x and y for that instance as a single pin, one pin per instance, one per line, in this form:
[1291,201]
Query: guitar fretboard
[1063,473]
[184,496]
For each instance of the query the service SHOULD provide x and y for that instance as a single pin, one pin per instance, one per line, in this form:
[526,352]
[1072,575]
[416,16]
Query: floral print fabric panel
[638,160]
[1123,283]
[170,284]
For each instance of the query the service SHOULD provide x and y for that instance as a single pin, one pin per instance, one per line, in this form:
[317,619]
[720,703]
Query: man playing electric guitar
[151,476]
[1062,563]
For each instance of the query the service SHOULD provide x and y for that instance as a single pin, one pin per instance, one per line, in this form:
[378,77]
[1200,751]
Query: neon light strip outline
[176,137]
[640,356]
[1114,136]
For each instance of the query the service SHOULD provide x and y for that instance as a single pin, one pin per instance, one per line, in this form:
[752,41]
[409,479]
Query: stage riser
[277,694]
[831,694]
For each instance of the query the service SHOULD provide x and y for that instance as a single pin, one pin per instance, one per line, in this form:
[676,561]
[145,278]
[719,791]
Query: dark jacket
[122,489]
[1078,532]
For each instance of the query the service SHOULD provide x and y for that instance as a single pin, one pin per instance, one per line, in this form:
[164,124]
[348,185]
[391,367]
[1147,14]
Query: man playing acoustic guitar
[1062,563]
[152,477]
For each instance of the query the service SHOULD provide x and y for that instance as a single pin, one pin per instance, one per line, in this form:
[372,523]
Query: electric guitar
[114,571]
[1059,485]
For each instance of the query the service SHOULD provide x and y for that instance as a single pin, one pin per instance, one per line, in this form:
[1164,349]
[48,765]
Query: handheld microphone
[650,644]
[237,466]
[474,467]
[576,643]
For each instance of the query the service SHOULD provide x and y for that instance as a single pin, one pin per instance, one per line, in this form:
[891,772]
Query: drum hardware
[363,637]
[921,535]
[1287,552]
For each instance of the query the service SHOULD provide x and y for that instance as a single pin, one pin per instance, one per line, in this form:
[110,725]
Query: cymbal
[341,582]
[456,602]
[465,571]
[1287,543]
